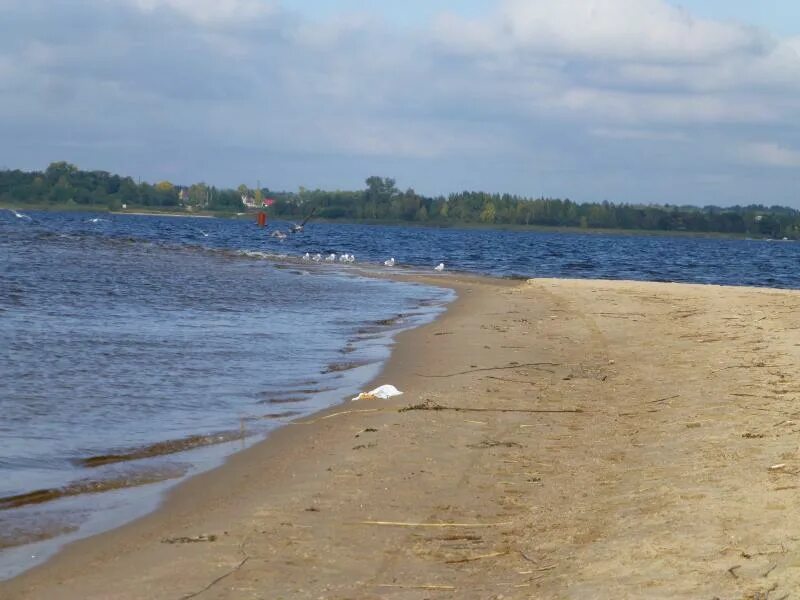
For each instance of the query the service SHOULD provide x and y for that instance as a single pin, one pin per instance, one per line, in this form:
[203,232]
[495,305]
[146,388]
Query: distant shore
[433,224]
[555,438]
[161,214]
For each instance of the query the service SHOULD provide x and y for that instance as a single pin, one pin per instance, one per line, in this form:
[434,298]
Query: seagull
[331,257]
[306,256]
[317,257]
[390,262]
[439,267]
[20,215]
[278,234]
[351,258]
[299,228]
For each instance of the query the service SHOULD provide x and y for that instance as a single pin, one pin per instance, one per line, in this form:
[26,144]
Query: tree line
[64,185]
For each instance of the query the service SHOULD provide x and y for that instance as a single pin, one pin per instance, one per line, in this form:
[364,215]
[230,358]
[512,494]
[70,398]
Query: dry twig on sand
[479,557]
[337,414]
[511,366]
[430,405]
[411,524]
[246,557]
[442,588]
[663,399]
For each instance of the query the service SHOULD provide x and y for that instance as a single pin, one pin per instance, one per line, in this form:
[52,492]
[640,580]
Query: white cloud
[210,12]
[639,134]
[770,154]
[600,29]
[535,89]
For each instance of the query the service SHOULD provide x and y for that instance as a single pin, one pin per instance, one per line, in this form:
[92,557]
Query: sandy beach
[556,439]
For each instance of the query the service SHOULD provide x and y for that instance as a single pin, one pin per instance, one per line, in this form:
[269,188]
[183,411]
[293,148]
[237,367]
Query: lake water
[138,350]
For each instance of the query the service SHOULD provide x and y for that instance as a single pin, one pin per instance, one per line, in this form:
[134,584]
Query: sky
[638,101]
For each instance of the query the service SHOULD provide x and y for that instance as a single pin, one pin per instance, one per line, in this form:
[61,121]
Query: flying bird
[299,228]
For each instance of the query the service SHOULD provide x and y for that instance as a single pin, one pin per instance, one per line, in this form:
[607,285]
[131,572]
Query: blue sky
[779,16]
[640,101]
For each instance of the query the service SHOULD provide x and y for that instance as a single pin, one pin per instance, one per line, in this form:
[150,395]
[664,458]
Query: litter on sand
[383,392]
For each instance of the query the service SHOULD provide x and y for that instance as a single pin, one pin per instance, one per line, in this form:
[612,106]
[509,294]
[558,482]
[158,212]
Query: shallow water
[130,361]
[138,350]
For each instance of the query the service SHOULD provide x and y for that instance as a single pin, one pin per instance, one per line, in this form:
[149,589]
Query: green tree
[489,213]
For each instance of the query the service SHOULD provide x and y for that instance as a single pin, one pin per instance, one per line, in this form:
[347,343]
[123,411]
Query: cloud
[639,134]
[600,29]
[534,96]
[209,12]
[770,154]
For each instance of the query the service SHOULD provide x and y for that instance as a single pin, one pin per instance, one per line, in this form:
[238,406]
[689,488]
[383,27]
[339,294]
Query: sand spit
[560,439]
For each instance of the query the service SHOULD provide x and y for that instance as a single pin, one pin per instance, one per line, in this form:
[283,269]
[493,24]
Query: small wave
[95,486]
[260,255]
[43,527]
[338,367]
[97,220]
[396,320]
[20,215]
[284,400]
[161,448]
[282,415]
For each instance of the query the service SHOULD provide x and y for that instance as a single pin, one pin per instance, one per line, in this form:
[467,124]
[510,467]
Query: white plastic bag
[383,392]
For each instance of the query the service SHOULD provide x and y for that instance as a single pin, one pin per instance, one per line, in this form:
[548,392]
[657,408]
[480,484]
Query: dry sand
[677,478]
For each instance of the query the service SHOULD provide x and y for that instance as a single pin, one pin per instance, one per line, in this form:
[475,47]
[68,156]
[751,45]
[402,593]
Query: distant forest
[63,185]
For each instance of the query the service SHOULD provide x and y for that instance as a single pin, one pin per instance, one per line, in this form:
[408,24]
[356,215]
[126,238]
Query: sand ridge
[556,439]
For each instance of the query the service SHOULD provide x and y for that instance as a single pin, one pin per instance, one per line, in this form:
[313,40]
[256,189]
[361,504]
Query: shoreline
[553,449]
[149,481]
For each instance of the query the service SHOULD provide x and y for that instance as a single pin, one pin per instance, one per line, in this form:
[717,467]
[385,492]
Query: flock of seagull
[330,258]
[345,258]
[350,258]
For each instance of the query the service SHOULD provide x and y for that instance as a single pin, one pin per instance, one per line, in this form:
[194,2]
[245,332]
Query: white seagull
[306,256]
[317,257]
[330,258]
[439,267]
[390,262]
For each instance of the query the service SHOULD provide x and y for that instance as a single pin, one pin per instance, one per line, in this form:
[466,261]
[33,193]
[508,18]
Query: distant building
[251,202]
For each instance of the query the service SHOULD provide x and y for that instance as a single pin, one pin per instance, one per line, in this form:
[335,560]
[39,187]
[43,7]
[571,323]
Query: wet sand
[556,439]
